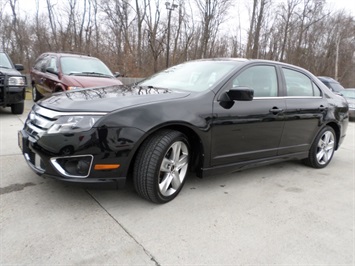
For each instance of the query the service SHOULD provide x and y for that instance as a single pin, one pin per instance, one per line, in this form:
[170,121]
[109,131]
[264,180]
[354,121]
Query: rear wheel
[17,108]
[322,149]
[161,166]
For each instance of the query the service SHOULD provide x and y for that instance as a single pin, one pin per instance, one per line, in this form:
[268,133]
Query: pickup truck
[12,85]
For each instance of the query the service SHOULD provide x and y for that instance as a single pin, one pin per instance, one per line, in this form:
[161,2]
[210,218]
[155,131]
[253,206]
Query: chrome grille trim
[54,115]
[41,119]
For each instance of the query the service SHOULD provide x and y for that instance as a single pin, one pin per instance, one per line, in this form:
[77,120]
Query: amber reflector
[106,166]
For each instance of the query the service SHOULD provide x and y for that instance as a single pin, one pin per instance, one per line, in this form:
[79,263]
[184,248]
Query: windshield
[335,86]
[4,61]
[191,76]
[348,93]
[83,65]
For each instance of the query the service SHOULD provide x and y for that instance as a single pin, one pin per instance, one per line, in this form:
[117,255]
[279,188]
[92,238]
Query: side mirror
[51,70]
[117,74]
[226,100]
[241,94]
[237,94]
[19,67]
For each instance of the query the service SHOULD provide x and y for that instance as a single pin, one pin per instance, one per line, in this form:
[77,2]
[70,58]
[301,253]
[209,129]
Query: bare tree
[212,14]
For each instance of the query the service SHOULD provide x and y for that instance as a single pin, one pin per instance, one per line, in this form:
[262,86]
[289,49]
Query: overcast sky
[347,5]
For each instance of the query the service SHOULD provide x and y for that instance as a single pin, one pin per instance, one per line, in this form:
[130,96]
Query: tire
[322,149]
[161,166]
[17,108]
[35,94]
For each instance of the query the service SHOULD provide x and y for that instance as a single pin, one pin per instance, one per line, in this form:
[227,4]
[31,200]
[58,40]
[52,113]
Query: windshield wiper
[89,74]
[95,73]
[4,67]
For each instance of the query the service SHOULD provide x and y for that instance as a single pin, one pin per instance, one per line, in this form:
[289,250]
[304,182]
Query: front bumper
[11,95]
[60,157]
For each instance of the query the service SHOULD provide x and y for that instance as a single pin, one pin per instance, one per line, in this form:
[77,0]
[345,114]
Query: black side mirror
[241,94]
[226,100]
[19,67]
[237,94]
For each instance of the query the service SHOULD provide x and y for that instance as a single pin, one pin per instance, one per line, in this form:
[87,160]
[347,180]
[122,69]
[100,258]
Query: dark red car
[55,72]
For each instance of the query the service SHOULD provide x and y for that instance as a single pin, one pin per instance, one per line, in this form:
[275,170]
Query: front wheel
[322,149]
[161,166]
[17,108]
[35,94]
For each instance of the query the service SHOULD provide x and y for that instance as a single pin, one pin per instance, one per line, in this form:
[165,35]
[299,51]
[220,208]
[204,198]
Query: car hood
[107,99]
[9,71]
[91,81]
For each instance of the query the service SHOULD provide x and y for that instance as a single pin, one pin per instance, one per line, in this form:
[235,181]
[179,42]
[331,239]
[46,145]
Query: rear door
[305,111]
[249,130]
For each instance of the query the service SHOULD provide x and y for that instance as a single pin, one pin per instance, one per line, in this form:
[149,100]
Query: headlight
[17,81]
[72,124]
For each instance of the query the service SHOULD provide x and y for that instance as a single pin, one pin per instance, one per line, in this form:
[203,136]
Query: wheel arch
[336,129]
[197,149]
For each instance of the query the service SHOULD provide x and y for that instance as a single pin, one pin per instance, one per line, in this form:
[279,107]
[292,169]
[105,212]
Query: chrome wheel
[322,150]
[173,168]
[325,148]
[161,166]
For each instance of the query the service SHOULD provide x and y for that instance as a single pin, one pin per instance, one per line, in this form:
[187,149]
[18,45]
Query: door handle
[275,110]
[322,108]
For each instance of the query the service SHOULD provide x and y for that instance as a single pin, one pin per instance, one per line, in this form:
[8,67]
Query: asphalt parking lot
[284,213]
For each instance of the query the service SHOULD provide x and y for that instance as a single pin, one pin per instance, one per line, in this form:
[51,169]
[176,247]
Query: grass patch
[28,94]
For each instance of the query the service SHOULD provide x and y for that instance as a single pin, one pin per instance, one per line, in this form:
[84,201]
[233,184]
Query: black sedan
[207,116]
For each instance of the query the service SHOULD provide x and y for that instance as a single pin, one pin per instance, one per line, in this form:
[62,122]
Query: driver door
[249,130]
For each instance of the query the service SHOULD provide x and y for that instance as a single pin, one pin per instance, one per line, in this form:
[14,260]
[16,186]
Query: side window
[53,64]
[316,90]
[262,79]
[298,84]
[40,63]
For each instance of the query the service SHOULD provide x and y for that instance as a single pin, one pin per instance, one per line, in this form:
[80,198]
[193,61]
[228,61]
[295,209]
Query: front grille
[39,121]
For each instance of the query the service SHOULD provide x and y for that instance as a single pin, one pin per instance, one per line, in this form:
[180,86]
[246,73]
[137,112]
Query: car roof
[67,54]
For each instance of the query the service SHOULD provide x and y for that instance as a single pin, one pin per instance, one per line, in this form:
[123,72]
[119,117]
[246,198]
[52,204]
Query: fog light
[73,166]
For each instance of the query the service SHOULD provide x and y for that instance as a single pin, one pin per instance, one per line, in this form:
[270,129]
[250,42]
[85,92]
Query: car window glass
[4,61]
[76,65]
[336,86]
[348,93]
[53,64]
[298,84]
[40,63]
[316,90]
[191,76]
[262,79]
